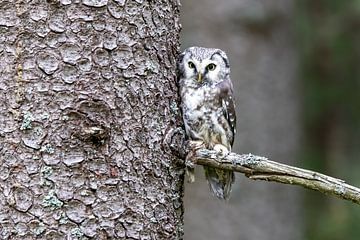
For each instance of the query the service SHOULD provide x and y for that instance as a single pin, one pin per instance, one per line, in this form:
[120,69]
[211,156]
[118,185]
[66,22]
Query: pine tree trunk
[87,93]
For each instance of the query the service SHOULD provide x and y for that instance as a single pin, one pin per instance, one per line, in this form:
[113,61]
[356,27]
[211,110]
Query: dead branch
[260,168]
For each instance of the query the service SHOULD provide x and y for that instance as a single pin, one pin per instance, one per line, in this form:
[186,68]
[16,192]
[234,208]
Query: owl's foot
[221,149]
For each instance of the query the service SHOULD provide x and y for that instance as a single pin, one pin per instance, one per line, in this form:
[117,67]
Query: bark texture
[87,93]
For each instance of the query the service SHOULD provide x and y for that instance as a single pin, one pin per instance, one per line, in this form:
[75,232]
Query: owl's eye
[211,67]
[191,65]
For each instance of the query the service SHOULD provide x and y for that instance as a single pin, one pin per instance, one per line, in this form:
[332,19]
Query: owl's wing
[228,106]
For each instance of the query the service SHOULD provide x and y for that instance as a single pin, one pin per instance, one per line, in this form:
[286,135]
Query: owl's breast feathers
[209,113]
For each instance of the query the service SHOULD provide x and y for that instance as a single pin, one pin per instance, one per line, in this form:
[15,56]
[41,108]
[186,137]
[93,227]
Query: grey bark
[87,93]
[258,39]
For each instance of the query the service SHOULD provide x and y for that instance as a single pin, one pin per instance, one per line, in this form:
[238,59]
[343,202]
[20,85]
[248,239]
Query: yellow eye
[191,65]
[211,67]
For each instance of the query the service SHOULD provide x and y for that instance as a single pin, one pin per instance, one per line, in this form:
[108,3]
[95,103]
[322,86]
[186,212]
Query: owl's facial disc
[202,71]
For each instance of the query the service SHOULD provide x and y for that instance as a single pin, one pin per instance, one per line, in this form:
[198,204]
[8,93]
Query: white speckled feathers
[208,107]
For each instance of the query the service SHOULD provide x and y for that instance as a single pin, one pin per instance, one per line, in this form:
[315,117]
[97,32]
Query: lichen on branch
[260,168]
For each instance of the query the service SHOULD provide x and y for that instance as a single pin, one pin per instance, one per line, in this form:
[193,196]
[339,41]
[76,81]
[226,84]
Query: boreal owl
[208,108]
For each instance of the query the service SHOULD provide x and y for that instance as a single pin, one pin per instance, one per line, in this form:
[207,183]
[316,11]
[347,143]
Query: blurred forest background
[296,72]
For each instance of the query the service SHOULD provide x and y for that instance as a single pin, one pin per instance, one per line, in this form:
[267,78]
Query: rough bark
[87,93]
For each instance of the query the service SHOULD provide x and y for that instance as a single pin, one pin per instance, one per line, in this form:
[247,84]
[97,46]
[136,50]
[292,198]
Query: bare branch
[260,168]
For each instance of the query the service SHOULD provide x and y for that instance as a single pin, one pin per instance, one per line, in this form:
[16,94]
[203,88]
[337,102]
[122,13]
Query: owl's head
[198,65]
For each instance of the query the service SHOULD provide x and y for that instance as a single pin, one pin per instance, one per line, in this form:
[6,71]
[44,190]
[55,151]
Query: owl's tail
[220,181]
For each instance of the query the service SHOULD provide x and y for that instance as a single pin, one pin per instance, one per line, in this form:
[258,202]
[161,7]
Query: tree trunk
[88,92]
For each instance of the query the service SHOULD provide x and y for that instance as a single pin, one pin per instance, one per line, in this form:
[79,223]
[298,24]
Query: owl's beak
[199,77]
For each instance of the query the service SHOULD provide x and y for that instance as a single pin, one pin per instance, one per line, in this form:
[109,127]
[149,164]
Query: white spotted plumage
[208,108]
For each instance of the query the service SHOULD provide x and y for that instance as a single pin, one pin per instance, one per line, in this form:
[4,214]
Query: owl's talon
[222,150]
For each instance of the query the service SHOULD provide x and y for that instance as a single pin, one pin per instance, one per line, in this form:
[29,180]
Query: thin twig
[260,168]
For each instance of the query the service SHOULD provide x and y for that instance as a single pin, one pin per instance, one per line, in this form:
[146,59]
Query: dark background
[295,66]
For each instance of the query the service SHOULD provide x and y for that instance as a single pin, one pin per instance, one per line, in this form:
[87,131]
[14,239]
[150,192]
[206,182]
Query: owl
[208,108]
